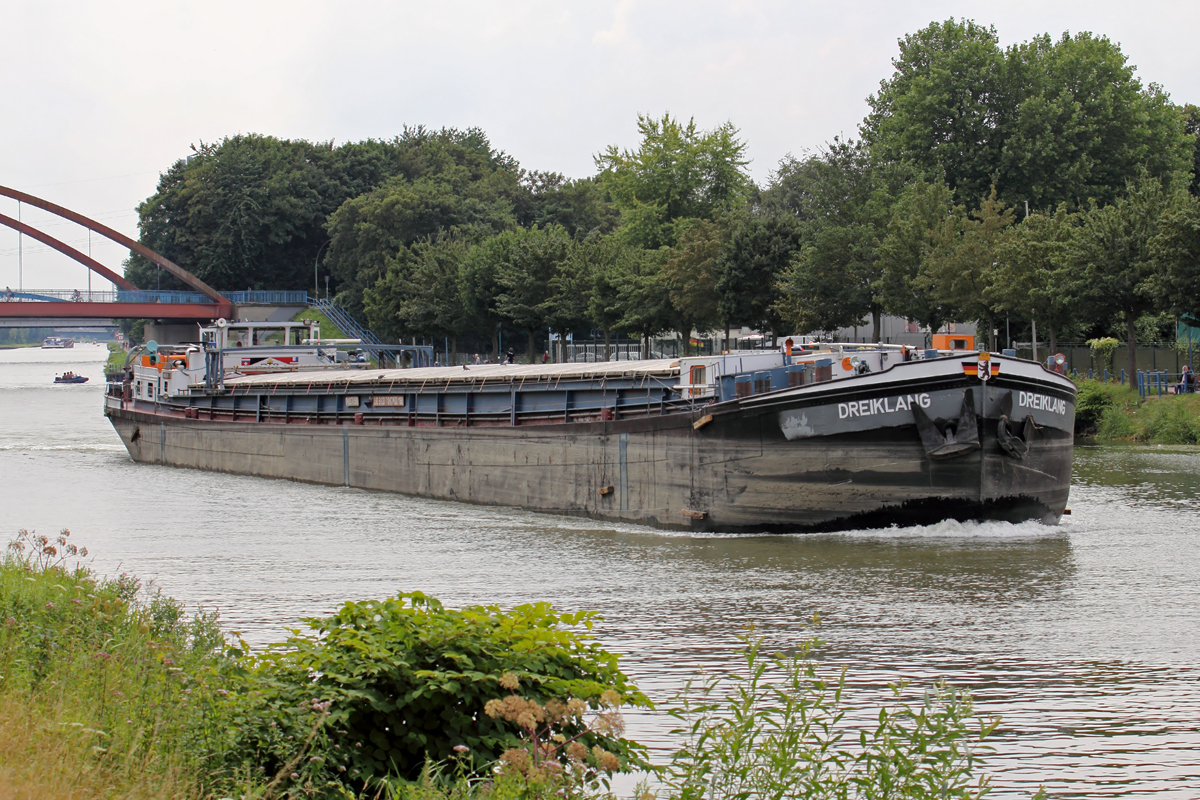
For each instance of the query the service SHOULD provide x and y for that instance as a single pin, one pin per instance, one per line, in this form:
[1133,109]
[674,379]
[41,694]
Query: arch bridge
[37,309]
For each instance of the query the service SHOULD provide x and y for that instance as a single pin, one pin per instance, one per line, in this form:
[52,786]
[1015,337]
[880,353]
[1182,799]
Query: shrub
[777,729]
[1096,396]
[382,688]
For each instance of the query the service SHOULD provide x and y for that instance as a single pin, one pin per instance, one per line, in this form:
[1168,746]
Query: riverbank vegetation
[108,689]
[1112,411]
[1042,182]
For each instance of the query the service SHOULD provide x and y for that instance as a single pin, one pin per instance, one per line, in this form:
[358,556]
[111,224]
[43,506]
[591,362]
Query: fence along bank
[753,441]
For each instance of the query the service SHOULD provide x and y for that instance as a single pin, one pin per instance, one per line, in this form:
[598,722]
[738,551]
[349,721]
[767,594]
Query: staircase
[350,326]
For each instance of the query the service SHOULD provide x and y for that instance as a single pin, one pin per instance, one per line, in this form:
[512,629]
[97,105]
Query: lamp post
[316,262]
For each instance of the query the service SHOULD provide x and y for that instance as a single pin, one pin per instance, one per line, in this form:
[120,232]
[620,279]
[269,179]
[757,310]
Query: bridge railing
[148,296]
[269,298]
[84,296]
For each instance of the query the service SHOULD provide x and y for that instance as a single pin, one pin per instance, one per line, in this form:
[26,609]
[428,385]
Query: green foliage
[843,199]
[1102,351]
[960,267]
[455,184]
[760,248]
[124,669]
[677,173]
[1094,398]
[382,686]
[1170,419]
[1176,421]
[1116,423]
[690,272]
[1032,279]
[777,728]
[1045,121]
[1176,251]
[920,210]
[421,291]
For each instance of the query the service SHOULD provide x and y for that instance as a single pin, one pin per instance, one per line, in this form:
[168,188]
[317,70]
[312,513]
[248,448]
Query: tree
[1031,280]
[828,284]
[843,199]
[1045,121]
[420,293]
[1112,260]
[447,181]
[941,106]
[760,248]
[245,212]
[689,274]
[920,210]
[1176,251]
[1082,125]
[600,259]
[581,206]
[960,266]
[678,172]
[643,298]
[526,263]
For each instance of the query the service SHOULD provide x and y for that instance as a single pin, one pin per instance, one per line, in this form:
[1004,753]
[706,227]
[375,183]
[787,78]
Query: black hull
[728,467]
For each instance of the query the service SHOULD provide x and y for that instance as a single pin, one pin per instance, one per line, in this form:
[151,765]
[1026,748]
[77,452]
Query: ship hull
[820,458]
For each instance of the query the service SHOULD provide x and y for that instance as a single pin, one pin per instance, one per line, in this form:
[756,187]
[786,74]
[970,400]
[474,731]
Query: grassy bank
[328,329]
[108,689]
[1115,412]
[116,357]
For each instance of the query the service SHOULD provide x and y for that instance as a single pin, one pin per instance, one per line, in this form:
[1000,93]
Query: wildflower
[577,751]
[461,748]
[509,681]
[610,698]
[517,758]
[49,604]
[610,723]
[607,761]
[295,775]
[317,760]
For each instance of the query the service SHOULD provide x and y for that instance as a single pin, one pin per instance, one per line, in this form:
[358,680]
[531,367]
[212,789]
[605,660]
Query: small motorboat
[70,377]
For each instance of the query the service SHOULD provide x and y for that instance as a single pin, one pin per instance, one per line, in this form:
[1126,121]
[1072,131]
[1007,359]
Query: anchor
[959,437]
[1016,446]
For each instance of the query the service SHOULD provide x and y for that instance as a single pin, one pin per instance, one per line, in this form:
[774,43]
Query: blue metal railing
[351,327]
[288,298]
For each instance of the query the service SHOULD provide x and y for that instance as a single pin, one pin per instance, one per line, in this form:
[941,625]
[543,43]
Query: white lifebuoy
[222,322]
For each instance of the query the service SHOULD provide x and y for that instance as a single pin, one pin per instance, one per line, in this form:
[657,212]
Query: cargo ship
[824,438]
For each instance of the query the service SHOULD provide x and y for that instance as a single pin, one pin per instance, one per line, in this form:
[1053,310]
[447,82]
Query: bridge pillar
[172,332]
[264,312]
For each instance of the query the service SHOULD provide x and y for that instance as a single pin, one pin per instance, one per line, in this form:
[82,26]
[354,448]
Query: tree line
[1041,183]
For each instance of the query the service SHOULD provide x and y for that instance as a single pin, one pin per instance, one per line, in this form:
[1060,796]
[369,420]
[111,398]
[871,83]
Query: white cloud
[101,97]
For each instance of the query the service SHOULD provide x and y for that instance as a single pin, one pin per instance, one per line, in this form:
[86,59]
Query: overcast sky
[99,98]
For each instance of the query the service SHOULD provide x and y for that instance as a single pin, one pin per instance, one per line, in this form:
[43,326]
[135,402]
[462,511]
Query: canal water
[1083,638]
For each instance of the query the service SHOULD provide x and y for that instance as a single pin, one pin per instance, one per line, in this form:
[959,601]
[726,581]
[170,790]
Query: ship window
[269,337]
[697,378]
[297,335]
[958,344]
[236,337]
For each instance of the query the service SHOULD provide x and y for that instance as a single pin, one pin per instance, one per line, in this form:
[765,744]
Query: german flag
[972,368]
